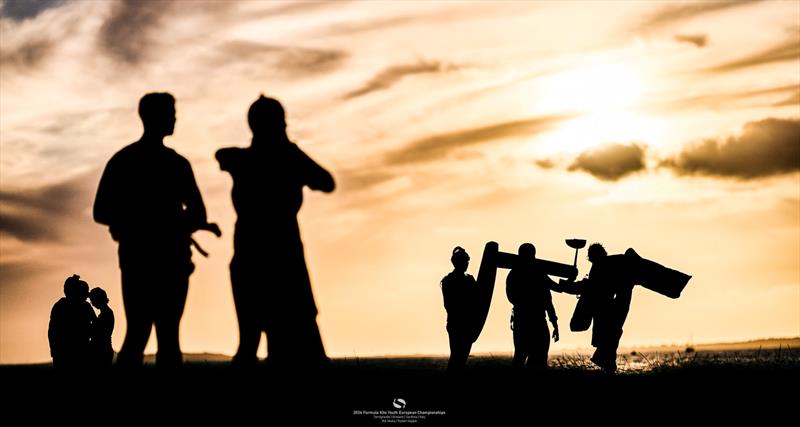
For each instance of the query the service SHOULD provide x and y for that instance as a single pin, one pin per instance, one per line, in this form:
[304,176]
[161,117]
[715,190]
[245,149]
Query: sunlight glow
[592,89]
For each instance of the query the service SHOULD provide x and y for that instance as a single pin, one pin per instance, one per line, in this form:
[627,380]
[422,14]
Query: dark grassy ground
[677,387]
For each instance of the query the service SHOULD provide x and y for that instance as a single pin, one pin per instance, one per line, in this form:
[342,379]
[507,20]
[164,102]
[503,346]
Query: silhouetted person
[70,326]
[459,293]
[528,289]
[606,296]
[269,277]
[149,199]
[101,353]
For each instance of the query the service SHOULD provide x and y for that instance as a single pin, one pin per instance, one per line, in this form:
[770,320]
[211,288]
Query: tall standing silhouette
[528,289]
[149,199]
[269,277]
[459,291]
[70,326]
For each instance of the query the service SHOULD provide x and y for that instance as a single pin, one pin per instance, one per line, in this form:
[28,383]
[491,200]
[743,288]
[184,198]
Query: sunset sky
[669,127]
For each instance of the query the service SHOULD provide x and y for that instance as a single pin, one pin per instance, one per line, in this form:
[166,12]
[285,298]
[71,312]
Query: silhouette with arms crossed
[528,289]
[100,351]
[149,199]
[459,293]
[70,326]
[271,286]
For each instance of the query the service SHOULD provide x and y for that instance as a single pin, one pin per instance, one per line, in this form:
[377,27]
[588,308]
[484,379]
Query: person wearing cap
[269,277]
[459,292]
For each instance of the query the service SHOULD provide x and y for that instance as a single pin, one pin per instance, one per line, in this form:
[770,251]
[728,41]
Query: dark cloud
[288,59]
[19,10]
[698,40]
[681,11]
[28,55]
[41,213]
[395,73]
[13,272]
[127,34]
[787,51]
[611,162]
[766,147]
[437,146]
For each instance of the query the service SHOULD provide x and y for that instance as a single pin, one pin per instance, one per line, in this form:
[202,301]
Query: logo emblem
[399,403]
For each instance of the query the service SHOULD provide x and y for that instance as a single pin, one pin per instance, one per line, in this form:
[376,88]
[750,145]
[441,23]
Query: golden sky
[669,127]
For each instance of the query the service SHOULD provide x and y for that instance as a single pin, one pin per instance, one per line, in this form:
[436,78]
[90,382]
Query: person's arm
[106,204]
[446,294]
[315,176]
[551,314]
[225,158]
[194,214]
[510,279]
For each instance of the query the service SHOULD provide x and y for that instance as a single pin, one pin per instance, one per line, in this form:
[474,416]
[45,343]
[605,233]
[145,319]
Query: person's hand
[555,333]
[214,228]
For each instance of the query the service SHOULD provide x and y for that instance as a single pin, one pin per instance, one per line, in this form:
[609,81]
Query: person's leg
[520,343]
[459,351]
[138,315]
[245,300]
[541,347]
[168,318]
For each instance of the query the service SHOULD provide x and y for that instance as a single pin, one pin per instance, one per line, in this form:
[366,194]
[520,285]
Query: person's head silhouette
[76,289]
[527,251]
[596,252]
[460,259]
[157,111]
[267,118]
[99,298]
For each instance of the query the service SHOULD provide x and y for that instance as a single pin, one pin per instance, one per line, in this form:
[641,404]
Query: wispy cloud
[766,147]
[786,51]
[611,162]
[675,13]
[39,214]
[286,59]
[698,40]
[720,100]
[393,74]
[30,54]
[128,32]
[437,146]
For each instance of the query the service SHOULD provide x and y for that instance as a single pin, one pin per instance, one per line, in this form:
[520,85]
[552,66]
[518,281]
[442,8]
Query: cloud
[672,14]
[127,34]
[721,100]
[767,147]
[544,163]
[289,59]
[39,214]
[19,10]
[698,40]
[437,146]
[393,74]
[27,55]
[787,51]
[793,100]
[611,162]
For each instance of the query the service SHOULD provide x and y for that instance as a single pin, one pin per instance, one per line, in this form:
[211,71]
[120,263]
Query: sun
[592,89]
[603,97]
